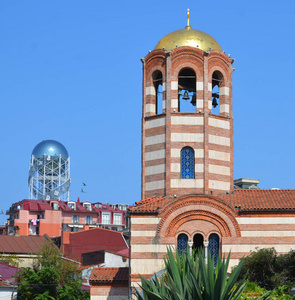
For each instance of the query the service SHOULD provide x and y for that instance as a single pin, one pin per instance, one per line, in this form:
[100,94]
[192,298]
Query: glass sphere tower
[49,175]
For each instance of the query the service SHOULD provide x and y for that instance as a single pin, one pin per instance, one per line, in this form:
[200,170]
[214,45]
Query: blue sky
[70,70]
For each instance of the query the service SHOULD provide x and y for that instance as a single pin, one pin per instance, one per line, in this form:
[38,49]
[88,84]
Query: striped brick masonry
[166,132]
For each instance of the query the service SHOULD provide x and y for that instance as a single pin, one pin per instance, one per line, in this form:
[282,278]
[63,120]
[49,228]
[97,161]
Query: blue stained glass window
[187,163]
[182,243]
[214,247]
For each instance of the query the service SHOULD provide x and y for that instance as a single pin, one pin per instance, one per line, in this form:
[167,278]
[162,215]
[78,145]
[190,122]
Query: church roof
[241,199]
[101,274]
[188,37]
[262,199]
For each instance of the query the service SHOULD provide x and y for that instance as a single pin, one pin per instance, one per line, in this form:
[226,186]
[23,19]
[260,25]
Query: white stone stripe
[145,220]
[224,90]
[174,85]
[219,123]
[155,123]
[224,108]
[266,220]
[187,183]
[233,263]
[150,248]
[199,85]
[146,266]
[209,104]
[187,137]
[209,87]
[219,185]
[156,139]
[224,156]
[152,170]
[221,170]
[164,86]
[150,108]
[187,120]
[200,103]
[155,185]
[143,233]
[267,233]
[150,90]
[174,103]
[159,154]
[219,140]
[248,248]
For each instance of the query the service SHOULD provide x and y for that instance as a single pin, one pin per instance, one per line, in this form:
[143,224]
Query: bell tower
[187,122]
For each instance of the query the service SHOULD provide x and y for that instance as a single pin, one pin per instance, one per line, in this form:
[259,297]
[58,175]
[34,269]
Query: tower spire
[188,18]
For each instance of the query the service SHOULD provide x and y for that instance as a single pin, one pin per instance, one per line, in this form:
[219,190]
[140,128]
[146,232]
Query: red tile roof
[7,272]
[243,199]
[93,240]
[260,199]
[21,244]
[151,204]
[119,275]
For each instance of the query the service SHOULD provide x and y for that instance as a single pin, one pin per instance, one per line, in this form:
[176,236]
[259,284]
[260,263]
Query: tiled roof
[119,275]
[243,199]
[21,244]
[262,199]
[151,204]
[7,272]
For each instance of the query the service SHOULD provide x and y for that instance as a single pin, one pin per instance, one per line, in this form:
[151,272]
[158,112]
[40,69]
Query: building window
[187,163]
[158,85]
[117,219]
[40,216]
[122,206]
[75,219]
[87,206]
[182,243]
[72,205]
[65,227]
[214,247]
[88,220]
[106,218]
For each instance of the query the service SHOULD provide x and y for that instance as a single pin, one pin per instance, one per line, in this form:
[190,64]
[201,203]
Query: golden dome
[188,37]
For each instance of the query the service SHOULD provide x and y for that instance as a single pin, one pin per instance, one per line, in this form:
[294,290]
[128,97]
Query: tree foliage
[187,278]
[51,277]
[270,270]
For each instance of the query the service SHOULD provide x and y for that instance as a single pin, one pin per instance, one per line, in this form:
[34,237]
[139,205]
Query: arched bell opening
[214,247]
[158,85]
[187,90]
[198,242]
[217,82]
[182,242]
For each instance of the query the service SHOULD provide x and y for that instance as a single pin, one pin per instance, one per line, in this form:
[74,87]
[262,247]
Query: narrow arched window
[187,163]
[217,82]
[214,247]
[182,241]
[158,85]
[187,90]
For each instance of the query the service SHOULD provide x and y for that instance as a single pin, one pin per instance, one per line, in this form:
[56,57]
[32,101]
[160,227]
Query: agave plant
[187,278]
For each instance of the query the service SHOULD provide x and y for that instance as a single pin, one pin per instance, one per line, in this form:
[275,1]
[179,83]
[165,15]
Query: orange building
[51,217]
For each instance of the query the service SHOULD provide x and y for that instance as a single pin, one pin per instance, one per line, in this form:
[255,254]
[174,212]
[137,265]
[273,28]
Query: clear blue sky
[70,71]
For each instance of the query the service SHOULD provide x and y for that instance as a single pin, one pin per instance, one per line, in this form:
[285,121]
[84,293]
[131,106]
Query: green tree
[51,277]
[187,278]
